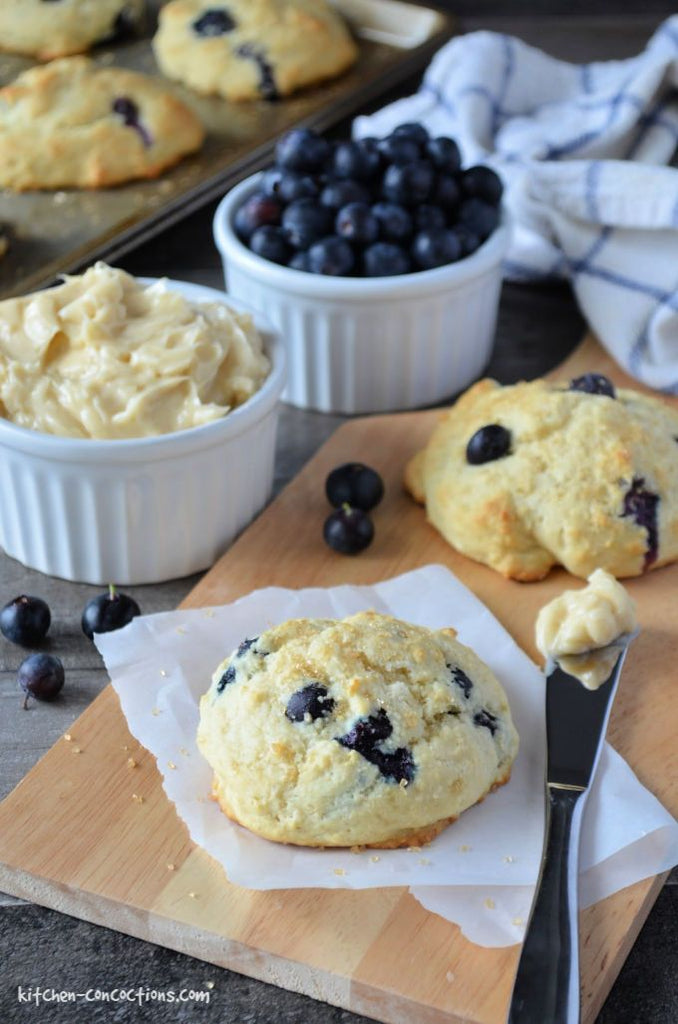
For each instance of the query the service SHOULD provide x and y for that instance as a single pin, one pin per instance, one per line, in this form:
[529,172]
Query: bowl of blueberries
[378,260]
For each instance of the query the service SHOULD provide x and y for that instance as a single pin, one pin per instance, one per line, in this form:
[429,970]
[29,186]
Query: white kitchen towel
[583,151]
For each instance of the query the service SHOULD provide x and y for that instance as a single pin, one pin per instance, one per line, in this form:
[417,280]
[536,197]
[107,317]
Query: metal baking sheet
[61,232]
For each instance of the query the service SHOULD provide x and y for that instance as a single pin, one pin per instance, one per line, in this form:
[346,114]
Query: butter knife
[546,989]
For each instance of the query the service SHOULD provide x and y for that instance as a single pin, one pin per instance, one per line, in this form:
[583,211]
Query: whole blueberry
[350,160]
[108,611]
[369,147]
[479,216]
[444,154]
[385,259]
[40,676]
[299,261]
[356,223]
[348,530]
[408,184]
[271,244]
[214,22]
[428,216]
[340,193]
[446,193]
[397,149]
[304,222]
[331,256]
[355,484]
[593,384]
[302,150]
[25,620]
[270,180]
[412,130]
[483,183]
[395,222]
[487,444]
[294,185]
[257,210]
[469,240]
[435,248]
[311,700]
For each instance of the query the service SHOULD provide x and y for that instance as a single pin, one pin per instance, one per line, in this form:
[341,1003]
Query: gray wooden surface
[538,326]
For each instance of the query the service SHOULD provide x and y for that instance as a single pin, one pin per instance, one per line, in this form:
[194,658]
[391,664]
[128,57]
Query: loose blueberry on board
[641,506]
[302,150]
[385,259]
[40,676]
[356,223]
[487,444]
[331,256]
[312,700]
[354,484]
[436,248]
[214,22]
[304,222]
[108,611]
[271,243]
[348,530]
[593,384]
[25,620]
[258,210]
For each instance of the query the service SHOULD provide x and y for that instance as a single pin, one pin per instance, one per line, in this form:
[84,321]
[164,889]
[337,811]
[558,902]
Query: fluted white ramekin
[147,509]
[358,345]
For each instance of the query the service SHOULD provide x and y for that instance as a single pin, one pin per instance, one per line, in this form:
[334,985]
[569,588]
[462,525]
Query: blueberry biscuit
[72,124]
[249,49]
[57,28]
[366,731]
[537,474]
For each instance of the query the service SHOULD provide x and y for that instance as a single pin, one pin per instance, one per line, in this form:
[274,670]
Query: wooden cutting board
[75,836]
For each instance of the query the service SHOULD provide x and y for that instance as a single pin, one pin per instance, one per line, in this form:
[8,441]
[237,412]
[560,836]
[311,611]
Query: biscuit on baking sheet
[364,731]
[46,30]
[71,124]
[250,49]
[531,475]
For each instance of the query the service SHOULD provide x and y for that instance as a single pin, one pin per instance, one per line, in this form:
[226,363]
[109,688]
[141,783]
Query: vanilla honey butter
[574,626]
[103,356]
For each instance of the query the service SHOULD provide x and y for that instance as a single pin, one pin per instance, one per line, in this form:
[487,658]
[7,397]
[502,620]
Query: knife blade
[546,988]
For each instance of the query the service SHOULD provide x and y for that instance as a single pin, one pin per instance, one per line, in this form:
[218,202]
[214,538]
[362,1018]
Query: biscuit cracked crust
[250,49]
[48,30]
[366,731]
[563,474]
[71,124]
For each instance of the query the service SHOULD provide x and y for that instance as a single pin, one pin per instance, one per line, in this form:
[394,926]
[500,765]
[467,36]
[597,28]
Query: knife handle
[546,989]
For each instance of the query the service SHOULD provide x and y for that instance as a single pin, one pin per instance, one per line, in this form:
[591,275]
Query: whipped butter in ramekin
[105,356]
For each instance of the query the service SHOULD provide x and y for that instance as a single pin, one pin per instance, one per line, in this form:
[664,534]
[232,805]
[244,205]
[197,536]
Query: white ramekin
[140,510]
[357,345]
